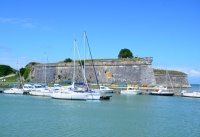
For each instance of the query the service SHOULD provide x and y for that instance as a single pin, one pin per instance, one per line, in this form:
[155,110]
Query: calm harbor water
[122,115]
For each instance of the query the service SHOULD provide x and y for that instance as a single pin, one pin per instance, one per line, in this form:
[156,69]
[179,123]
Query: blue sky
[167,30]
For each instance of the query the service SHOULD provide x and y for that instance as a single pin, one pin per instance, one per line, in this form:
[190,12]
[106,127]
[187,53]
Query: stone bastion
[136,71]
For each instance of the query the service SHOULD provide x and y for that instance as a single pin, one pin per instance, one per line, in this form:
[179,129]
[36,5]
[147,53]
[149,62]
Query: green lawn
[9,80]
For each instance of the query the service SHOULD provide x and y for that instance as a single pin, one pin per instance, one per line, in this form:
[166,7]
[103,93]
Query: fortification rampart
[172,80]
[108,71]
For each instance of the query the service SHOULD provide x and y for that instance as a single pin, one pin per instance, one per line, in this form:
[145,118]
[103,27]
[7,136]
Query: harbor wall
[172,80]
[136,71]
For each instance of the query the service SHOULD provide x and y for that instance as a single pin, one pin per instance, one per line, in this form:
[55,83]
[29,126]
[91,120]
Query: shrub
[67,60]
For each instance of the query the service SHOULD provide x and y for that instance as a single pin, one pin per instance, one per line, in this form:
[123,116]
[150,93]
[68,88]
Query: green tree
[125,53]
[22,70]
[6,70]
[67,60]
[31,64]
[26,73]
[81,63]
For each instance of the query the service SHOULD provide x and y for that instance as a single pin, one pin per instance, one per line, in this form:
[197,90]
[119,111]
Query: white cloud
[194,73]
[28,25]
[5,20]
[24,22]
[12,20]
[5,48]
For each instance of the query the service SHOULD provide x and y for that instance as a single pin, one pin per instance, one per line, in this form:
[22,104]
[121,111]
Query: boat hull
[103,91]
[190,94]
[76,96]
[161,94]
[13,91]
[93,96]
[40,93]
[69,96]
[137,92]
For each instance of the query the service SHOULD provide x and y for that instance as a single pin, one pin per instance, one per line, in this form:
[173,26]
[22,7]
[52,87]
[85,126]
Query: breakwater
[137,71]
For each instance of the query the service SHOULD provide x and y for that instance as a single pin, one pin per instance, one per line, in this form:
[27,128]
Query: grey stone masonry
[172,80]
[108,71]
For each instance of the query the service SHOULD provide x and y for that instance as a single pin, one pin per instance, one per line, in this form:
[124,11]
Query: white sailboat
[39,90]
[84,93]
[71,93]
[93,95]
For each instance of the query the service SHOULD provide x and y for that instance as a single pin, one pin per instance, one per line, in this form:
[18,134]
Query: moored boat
[103,89]
[13,91]
[44,92]
[162,92]
[193,94]
[131,90]
[69,95]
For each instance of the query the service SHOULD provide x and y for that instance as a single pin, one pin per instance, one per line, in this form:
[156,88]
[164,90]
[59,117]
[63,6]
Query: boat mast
[84,60]
[92,60]
[74,63]
[45,70]
[82,68]
[85,80]
[170,79]
[19,75]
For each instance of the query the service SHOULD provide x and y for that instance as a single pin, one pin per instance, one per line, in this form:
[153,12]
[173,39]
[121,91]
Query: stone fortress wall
[108,71]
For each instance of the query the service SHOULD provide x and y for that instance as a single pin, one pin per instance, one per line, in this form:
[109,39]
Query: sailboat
[93,94]
[80,94]
[41,90]
[161,90]
[96,93]
[72,93]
